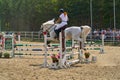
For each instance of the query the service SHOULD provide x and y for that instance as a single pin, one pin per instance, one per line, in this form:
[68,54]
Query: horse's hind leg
[78,39]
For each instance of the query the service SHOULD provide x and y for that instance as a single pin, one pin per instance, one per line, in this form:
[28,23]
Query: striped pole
[114,1]
[19,42]
[102,47]
[45,56]
[60,39]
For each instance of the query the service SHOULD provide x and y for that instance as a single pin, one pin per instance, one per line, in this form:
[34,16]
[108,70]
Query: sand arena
[107,67]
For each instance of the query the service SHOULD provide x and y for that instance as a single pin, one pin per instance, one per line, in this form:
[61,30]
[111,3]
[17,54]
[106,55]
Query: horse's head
[46,26]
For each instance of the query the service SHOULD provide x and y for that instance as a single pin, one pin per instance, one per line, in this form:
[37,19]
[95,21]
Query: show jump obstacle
[96,45]
[63,50]
[63,61]
[9,46]
[8,43]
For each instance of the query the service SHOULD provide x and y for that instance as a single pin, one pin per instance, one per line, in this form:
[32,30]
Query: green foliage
[6,55]
[0,54]
[28,15]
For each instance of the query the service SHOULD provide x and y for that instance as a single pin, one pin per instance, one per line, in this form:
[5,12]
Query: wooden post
[80,45]
[63,40]
[62,47]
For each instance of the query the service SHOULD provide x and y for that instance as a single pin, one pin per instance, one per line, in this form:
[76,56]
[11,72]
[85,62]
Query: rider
[62,20]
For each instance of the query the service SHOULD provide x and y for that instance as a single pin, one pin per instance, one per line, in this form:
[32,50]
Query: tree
[28,15]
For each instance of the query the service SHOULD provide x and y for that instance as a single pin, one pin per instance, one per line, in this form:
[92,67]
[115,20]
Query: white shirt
[63,17]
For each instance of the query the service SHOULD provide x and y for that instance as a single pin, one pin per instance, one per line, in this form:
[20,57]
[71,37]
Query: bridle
[50,28]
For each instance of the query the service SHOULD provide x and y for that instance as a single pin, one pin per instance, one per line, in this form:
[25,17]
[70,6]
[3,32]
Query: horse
[73,32]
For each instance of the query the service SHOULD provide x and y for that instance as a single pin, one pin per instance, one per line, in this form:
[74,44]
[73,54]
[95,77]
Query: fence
[34,35]
[37,35]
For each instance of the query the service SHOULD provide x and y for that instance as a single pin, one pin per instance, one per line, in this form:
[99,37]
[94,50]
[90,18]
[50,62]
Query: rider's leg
[57,32]
[58,28]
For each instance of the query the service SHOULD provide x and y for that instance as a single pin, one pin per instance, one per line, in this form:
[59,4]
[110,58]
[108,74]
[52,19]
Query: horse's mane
[49,22]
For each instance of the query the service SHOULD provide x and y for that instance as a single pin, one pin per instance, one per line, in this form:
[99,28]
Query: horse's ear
[41,27]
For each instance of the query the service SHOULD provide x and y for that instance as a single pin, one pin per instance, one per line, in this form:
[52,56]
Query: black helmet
[61,10]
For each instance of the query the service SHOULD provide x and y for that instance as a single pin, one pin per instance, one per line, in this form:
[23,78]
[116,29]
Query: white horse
[73,32]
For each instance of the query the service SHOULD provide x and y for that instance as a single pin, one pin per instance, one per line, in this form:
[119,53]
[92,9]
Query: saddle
[64,27]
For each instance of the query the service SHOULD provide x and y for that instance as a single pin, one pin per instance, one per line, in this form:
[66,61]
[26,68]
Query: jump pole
[45,64]
[102,48]
[19,38]
[80,55]
[60,61]
[62,48]
[19,42]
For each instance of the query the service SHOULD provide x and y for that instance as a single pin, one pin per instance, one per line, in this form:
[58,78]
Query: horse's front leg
[80,40]
[51,38]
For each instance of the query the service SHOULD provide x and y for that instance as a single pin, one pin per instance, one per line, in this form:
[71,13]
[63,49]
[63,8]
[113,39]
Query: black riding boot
[57,32]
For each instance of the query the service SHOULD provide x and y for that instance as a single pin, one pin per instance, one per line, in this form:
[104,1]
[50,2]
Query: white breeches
[60,25]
